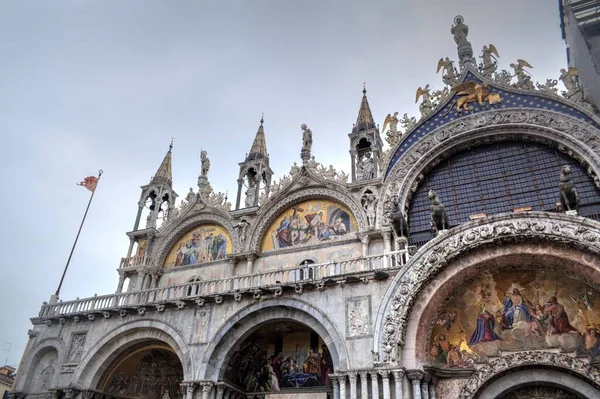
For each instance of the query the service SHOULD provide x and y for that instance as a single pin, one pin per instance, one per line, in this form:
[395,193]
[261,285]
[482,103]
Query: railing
[304,274]
[133,261]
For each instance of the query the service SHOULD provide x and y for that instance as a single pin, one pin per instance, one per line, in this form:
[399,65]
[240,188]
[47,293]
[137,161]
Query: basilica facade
[459,258]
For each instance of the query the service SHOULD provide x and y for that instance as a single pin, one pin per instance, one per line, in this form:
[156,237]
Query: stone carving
[435,255]
[294,170]
[46,377]
[265,220]
[250,200]
[569,78]
[460,31]
[555,360]
[398,220]
[369,201]
[523,77]
[503,78]
[449,73]
[439,217]
[569,198]
[549,87]
[392,136]
[306,137]
[426,106]
[574,136]
[358,318]
[32,334]
[365,167]
[407,122]
[242,229]
[439,96]
[77,344]
[489,57]
[190,195]
[205,163]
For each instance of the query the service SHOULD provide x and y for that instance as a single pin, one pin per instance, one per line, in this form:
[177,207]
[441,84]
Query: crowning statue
[205,163]
[523,77]
[426,106]
[569,78]
[460,31]
[392,136]
[306,144]
[489,59]
[449,73]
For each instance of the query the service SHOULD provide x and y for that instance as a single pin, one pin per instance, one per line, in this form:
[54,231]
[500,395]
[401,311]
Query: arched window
[498,178]
[193,288]
[306,272]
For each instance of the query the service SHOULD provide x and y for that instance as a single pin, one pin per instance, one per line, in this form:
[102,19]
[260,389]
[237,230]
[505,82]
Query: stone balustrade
[134,261]
[268,282]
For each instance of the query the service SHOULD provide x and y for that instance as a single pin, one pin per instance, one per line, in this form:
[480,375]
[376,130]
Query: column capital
[206,386]
[385,374]
[398,374]
[351,375]
[363,374]
[70,393]
[334,377]
[426,378]
[188,387]
[387,235]
[415,376]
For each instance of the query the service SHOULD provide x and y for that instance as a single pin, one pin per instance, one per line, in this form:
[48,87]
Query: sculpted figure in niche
[366,167]
[242,227]
[370,204]
[250,194]
[46,377]
[76,348]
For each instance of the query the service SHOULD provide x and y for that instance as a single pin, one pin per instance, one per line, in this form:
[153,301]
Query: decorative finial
[171,145]
[262,118]
[364,88]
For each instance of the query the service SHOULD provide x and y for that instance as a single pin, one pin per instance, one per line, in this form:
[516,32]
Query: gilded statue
[426,106]
[449,73]
[473,92]
[523,77]
[489,58]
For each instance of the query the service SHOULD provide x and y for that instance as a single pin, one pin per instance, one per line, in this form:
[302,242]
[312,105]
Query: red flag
[90,183]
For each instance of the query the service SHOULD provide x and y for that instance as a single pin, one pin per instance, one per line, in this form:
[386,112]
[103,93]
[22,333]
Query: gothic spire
[164,175]
[259,147]
[365,117]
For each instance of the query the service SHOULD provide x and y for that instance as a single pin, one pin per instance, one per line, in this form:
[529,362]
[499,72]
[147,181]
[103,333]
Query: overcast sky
[88,85]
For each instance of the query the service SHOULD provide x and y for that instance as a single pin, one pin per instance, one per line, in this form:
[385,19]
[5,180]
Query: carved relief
[434,256]
[201,330]
[358,317]
[77,344]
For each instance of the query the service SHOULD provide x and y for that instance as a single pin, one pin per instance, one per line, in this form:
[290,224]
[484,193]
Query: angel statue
[426,105]
[392,136]
[523,77]
[205,163]
[569,78]
[407,122]
[449,73]
[489,58]
[549,87]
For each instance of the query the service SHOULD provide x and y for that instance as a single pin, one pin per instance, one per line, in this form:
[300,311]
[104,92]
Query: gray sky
[88,85]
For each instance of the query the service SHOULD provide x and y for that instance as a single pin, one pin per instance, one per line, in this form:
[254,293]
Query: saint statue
[306,138]
[205,163]
[460,31]
[250,194]
[366,167]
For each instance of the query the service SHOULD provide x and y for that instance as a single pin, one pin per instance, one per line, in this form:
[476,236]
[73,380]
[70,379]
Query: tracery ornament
[578,139]
[530,358]
[286,199]
[408,284]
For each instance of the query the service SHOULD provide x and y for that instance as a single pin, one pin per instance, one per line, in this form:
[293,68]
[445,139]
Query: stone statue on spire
[465,51]
[306,143]
[205,163]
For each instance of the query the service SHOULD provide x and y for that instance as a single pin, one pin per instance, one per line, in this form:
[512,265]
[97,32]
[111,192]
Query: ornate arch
[100,356]
[287,199]
[392,323]
[247,320]
[170,237]
[573,136]
[538,360]
[32,358]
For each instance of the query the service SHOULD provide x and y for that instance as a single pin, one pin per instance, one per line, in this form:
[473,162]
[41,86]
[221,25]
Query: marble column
[415,377]
[385,380]
[250,262]
[375,384]
[335,381]
[220,391]
[432,385]
[364,385]
[387,247]
[365,244]
[188,389]
[121,282]
[398,376]
[352,378]
[206,388]
[425,386]
[342,386]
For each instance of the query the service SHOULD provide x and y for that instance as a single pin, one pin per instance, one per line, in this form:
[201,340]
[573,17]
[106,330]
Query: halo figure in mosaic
[439,217]
[569,198]
[489,57]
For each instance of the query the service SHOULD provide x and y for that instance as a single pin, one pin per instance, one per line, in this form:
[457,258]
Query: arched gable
[32,359]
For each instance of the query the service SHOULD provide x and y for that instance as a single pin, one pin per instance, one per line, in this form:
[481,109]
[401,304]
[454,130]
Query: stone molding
[578,139]
[285,199]
[500,366]
[396,306]
[170,236]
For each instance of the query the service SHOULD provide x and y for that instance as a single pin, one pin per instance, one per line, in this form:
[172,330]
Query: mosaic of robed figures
[149,372]
[280,355]
[205,243]
[308,223]
[516,310]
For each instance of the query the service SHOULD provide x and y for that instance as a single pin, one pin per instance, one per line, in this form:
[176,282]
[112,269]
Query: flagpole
[77,237]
